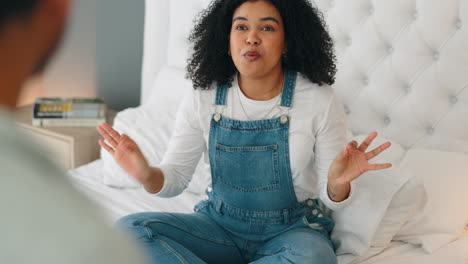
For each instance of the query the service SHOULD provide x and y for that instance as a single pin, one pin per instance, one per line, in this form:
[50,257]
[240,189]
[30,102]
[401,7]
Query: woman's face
[257,39]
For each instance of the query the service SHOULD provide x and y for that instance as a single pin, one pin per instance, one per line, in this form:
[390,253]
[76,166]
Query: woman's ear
[59,8]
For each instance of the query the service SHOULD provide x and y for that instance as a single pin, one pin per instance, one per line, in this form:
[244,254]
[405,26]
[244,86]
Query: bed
[402,71]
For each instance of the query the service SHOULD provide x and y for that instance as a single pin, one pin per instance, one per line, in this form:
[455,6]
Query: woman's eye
[241,28]
[267,28]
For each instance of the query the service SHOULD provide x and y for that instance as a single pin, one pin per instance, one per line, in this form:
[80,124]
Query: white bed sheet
[115,203]
[455,252]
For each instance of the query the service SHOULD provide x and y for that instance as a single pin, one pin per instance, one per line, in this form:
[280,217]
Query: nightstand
[69,146]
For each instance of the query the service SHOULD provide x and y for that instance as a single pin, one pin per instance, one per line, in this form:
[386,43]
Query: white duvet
[115,203]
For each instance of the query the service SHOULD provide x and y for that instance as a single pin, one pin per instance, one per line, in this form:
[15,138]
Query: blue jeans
[196,238]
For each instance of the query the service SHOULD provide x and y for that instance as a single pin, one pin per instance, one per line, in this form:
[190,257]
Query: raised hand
[125,152]
[351,163]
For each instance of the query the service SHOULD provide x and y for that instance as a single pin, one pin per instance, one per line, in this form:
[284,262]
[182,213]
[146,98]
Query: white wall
[72,72]
[119,51]
[100,54]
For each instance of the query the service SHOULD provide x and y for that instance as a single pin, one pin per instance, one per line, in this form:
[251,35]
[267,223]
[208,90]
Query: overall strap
[221,92]
[288,88]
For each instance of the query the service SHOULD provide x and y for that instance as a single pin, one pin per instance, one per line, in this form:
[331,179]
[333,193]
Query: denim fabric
[252,214]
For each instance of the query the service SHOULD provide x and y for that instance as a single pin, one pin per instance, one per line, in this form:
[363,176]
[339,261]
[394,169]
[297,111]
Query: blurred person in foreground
[43,218]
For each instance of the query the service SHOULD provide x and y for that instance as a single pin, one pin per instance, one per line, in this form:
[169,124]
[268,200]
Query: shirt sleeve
[185,148]
[330,140]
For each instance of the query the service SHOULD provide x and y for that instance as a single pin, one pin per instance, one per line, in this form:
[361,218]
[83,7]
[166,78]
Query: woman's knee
[131,221]
[137,224]
[315,250]
[301,246]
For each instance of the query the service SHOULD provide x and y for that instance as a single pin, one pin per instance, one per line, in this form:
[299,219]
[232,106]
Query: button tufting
[436,55]
[408,89]
[390,49]
[430,130]
[415,14]
[365,80]
[458,23]
[453,99]
[349,41]
[387,120]
[371,10]
[346,110]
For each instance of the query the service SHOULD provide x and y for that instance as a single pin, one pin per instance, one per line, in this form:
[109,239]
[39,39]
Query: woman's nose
[252,38]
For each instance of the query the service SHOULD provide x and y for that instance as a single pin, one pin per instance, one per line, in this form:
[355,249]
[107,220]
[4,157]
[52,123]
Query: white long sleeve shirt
[317,134]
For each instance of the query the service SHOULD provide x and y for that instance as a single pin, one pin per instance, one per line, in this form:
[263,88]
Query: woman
[270,138]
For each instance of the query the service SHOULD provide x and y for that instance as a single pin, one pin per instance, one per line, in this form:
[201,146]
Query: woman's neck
[261,89]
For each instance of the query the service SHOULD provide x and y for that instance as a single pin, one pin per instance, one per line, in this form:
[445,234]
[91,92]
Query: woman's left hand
[351,163]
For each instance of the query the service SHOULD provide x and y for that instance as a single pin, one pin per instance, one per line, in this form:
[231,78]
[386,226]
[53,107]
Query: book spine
[83,110]
[71,122]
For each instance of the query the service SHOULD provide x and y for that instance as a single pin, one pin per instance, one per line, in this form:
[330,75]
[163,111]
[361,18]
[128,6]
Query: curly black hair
[309,46]
[15,9]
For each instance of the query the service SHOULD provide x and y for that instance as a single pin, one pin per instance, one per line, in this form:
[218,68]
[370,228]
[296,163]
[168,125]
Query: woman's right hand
[125,152]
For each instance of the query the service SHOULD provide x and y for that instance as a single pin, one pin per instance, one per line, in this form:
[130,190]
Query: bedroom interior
[401,71]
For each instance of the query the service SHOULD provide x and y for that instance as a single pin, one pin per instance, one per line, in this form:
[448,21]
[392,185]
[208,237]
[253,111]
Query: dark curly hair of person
[309,46]
[15,9]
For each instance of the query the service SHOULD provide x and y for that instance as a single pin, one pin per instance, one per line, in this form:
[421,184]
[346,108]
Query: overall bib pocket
[245,161]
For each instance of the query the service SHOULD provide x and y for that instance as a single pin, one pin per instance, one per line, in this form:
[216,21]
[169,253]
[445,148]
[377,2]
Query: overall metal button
[284,119]
[315,212]
[310,203]
[217,117]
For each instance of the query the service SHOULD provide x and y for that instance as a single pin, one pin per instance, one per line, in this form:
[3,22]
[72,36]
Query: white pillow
[150,126]
[357,223]
[366,226]
[406,204]
[151,131]
[445,176]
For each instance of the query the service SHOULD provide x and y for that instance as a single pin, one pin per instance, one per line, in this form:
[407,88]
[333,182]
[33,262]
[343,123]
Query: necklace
[276,104]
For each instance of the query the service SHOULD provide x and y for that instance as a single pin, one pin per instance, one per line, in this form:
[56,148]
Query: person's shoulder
[309,90]
[205,96]
[19,152]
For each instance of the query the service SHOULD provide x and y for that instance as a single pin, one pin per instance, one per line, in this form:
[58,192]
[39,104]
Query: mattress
[114,203]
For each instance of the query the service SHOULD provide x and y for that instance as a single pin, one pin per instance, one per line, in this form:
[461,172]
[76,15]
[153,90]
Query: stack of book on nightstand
[51,112]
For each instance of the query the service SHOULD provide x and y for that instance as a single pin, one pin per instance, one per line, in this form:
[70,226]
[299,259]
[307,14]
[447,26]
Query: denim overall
[252,207]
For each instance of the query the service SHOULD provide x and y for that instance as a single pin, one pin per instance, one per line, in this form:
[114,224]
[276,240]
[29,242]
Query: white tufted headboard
[402,64]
